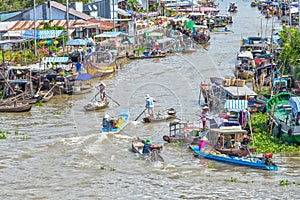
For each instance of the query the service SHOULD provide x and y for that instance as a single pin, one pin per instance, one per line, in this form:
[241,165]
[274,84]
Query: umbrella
[84,77]
[48,42]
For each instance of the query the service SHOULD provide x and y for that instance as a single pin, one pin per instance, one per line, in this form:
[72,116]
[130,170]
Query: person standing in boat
[150,105]
[101,88]
[203,116]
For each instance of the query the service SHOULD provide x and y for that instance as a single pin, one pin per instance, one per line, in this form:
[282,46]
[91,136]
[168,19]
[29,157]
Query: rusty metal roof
[29,24]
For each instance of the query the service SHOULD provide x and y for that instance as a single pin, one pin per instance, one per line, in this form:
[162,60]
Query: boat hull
[16,108]
[243,161]
[125,115]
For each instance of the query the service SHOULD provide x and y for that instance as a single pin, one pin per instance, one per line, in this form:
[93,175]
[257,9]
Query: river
[56,151]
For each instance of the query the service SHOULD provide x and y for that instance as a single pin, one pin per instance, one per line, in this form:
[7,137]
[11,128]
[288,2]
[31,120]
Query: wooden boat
[254,162]
[223,31]
[100,63]
[182,132]
[137,147]
[81,89]
[45,96]
[96,105]
[167,114]
[123,120]
[15,107]
[283,110]
[163,55]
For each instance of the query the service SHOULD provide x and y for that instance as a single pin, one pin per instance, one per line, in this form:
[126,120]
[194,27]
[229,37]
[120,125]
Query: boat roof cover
[295,104]
[236,105]
[42,34]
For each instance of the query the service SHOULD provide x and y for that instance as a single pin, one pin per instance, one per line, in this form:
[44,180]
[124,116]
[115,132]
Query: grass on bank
[264,142]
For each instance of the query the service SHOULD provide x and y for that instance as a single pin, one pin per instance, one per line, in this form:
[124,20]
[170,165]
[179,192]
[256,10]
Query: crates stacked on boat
[240,83]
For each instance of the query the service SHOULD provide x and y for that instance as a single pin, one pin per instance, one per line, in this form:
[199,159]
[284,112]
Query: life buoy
[290,132]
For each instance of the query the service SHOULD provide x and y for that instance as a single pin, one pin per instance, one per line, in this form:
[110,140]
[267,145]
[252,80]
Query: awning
[56,59]
[123,12]
[42,34]
[79,42]
[14,33]
[11,41]
[236,105]
[110,34]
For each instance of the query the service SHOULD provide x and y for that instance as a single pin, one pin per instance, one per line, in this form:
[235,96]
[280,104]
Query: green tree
[289,55]
[132,5]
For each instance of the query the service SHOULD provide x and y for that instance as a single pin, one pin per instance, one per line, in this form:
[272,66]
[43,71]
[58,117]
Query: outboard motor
[267,159]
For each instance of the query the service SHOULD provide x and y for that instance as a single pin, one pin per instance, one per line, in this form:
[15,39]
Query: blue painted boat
[260,163]
[123,120]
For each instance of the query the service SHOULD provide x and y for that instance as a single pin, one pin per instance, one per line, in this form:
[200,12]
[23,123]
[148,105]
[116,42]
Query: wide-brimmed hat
[148,141]
[103,83]
[204,139]
[147,96]
[205,108]
[106,116]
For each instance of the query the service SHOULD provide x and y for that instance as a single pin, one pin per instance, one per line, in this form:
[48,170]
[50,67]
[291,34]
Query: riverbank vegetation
[264,142]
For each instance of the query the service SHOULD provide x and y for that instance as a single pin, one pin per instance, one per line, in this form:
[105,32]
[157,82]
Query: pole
[113,15]
[298,15]
[34,34]
[67,19]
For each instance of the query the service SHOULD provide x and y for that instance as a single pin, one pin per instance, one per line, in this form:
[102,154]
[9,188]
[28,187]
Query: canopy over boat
[295,104]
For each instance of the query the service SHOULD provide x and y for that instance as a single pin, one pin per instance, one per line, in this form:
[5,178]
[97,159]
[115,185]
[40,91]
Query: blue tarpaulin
[84,77]
[295,103]
[236,105]
[56,59]
[78,42]
[42,34]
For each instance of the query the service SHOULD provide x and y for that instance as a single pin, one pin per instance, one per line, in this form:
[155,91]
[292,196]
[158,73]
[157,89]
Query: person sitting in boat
[245,141]
[206,147]
[106,122]
[150,105]
[147,147]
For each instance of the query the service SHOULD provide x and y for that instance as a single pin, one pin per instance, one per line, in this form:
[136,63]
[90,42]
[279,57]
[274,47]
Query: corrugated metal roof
[71,11]
[4,26]
[29,24]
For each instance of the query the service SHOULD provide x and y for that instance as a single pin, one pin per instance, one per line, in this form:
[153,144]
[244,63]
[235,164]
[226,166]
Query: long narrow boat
[137,147]
[254,162]
[100,63]
[167,114]
[283,111]
[147,57]
[123,120]
[96,105]
[18,107]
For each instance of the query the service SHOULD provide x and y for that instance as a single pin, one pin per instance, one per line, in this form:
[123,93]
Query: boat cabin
[227,137]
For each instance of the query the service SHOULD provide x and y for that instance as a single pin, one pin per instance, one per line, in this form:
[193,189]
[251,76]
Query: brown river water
[59,152]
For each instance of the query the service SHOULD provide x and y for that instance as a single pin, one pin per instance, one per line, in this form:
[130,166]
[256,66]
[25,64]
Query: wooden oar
[140,114]
[113,100]
[50,90]
[37,93]
[95,96]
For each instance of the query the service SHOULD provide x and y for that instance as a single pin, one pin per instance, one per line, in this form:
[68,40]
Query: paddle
[140,114]
[113,100]
[95,96]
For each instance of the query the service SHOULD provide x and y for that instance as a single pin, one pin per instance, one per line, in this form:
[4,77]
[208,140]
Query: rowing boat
[167,114]
[96,105]
[122,121]
[138,145]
